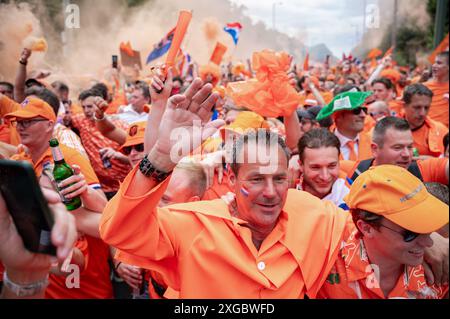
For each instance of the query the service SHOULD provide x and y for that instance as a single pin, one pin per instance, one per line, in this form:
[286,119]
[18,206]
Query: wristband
[97,119]
[27,289]
[22,62]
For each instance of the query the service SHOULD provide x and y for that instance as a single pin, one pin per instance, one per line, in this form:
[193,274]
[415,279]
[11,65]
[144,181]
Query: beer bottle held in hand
[62,171]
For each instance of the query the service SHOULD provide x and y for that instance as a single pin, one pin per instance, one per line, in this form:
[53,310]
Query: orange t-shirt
[8,133]
[439,104]
[396,107]
[429,139]
[202,251]
[94,280]
[353,277]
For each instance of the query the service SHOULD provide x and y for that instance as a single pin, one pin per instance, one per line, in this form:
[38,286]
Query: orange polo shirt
[429,139]
[8,133]
[204,252]
[439,105]
[353,277]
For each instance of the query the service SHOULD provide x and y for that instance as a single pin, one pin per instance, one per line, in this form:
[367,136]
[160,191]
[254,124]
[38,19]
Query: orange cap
[33,107]
[244,121]
[135,134]
[393,192]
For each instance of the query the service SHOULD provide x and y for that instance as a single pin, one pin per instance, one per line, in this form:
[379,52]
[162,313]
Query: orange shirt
[94,280]
[432,170]
[204,252]
[93,141]
[8,133]
[429,139]
[71,156]
[439,104]
[218,190]
[353,277]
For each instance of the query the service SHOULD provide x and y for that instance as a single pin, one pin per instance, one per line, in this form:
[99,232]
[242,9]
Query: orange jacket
[429,139]
[204,252]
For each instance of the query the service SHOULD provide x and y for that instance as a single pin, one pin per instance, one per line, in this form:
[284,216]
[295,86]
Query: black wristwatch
[147,168]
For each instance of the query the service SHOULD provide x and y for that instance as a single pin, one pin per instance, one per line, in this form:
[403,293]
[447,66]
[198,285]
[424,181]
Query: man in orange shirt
[394,217]
[349,115]
[35,124]
[439,86]
[428,134]
[393,144]
[248,248]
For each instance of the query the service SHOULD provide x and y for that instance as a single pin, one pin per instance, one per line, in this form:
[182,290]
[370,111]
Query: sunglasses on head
[359,109]
[408,236]
[127,149]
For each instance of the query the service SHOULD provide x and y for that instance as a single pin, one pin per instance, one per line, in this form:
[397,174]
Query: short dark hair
[446,141]
[179,79]
[45,95]
[438,190]
[88,93]
[60,86]
[416,89]
[385,81]
[370,218]
[144,88]
[102,89]
[10,86]
[318,138]
[379,132]
[270,138]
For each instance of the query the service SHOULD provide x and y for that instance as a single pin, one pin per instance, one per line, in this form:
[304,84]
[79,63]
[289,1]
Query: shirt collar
[343,139]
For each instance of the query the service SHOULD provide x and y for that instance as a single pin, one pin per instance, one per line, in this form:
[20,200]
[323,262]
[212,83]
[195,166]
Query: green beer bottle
[416,152]
[62,171]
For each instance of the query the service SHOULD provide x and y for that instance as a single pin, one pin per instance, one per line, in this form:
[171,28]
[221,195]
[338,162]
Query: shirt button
[261,265]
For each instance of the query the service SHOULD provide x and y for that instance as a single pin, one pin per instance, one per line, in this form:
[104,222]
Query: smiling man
[428,134]
[247,247]
[394,217]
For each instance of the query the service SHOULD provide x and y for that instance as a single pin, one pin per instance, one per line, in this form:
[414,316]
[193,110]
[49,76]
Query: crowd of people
[188,191]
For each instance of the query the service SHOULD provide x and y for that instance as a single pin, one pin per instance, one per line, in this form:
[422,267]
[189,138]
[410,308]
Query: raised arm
[104,125]
[21,76]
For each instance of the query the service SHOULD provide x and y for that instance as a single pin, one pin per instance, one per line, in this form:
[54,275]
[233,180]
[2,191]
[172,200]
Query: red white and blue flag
[233,29]
[162,47]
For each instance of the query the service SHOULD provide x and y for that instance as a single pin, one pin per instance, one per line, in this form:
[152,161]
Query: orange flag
[306,63]
[389,52]
[441,48]
[126,47]
[374,53]
[180,30]
[218,53]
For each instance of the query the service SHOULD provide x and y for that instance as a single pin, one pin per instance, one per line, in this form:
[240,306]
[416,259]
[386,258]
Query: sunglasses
[359,109]
[127,149]
[408,236]
[25,123]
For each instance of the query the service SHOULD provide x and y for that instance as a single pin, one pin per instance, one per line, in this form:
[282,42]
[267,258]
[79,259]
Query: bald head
[378,110]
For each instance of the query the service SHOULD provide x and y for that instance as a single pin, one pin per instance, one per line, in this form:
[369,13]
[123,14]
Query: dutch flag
[233,29]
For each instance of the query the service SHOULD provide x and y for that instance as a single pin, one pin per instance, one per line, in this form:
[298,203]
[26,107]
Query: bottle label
[57,154]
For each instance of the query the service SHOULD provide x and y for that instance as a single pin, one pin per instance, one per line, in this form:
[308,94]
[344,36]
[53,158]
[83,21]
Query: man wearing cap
[382,258]
[428,134]
[393,144]
[349,114]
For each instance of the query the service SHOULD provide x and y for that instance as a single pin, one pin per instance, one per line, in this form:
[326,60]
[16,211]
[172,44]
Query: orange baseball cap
[393,192]
[33,107]
[244,121]
[135,134]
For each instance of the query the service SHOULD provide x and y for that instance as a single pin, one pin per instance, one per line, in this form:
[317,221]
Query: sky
[337,23]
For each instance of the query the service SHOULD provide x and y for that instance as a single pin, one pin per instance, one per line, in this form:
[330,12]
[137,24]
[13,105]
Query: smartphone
[27,206]
[114,61]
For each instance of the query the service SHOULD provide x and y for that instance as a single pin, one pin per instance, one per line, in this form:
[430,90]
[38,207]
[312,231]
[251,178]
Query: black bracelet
[23,63]
[117,266]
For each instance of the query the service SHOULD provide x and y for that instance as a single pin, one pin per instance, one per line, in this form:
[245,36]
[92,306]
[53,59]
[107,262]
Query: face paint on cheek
[244,191]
